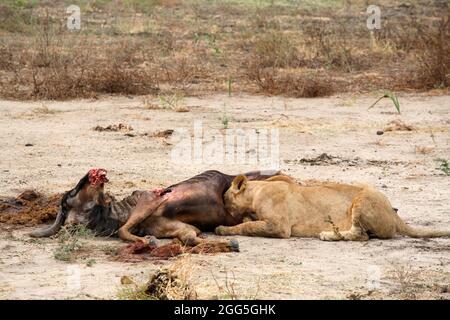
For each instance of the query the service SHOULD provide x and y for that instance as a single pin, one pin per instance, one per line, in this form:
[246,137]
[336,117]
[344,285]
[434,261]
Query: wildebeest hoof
[234,245]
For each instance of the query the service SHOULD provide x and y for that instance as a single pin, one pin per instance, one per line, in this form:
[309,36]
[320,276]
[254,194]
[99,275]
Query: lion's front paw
[221,230]
[327,236]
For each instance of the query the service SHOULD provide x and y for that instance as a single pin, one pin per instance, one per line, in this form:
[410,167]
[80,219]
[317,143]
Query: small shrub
[91,262]
[443,166]
[69,243]
[224,121]
[275,49]
[173,102]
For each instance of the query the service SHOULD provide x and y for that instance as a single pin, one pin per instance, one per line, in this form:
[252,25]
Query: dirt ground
[49,146]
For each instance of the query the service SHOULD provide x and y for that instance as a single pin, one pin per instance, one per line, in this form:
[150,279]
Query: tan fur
[282,208]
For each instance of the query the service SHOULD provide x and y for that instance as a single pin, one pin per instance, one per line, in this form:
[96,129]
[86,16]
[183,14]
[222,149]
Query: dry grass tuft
[398,125]
[423,150]
[173,282]
[407,281]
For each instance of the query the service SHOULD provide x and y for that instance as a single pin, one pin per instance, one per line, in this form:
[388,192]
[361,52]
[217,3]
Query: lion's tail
[406,230]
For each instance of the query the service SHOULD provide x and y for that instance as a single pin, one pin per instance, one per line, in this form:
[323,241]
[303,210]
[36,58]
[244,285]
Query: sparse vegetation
[268,47]
[433,55]
[406,280]
[70,242]
[228,289]
[275,82]
[168,283]
[390,95]
[44,110]
[224,120]
[173,102]
[443,166]
[91,262]
[109,250]
[133,292]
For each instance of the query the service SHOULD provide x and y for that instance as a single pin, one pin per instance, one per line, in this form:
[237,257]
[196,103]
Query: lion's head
[235,199]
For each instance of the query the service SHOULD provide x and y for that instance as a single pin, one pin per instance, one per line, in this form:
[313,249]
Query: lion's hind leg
[354,234]
[356,231]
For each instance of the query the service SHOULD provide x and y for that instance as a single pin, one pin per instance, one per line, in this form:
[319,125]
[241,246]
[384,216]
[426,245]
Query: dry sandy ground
[65,147]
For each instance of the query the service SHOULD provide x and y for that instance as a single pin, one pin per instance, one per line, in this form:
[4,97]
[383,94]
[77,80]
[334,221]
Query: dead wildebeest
[180,211]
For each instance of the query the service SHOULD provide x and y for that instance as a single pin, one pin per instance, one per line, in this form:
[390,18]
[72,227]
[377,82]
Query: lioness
[279,207]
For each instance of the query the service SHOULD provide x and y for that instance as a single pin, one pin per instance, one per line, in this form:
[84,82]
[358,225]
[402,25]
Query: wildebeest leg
[169,228]
[146,205]
[188,235]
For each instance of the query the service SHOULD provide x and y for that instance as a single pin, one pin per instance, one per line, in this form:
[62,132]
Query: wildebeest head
[78,203]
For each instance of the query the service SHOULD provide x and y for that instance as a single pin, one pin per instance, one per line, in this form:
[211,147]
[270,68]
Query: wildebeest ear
[239,183]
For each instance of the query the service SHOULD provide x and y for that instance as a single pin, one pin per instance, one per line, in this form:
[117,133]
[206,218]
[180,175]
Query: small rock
[29,145]
[380,132]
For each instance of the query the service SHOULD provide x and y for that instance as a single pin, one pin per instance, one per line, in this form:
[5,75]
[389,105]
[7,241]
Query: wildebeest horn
[51,230]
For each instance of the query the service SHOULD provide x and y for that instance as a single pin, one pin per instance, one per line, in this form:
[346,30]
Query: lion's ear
[239,183]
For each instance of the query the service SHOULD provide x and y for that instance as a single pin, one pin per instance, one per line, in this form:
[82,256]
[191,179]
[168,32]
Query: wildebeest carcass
[182,210]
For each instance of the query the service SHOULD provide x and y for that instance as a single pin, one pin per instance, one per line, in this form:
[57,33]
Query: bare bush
[424,48]
[332,45]
[58,65]
[280,49]
[433,56]
[275,49]
[272,81]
